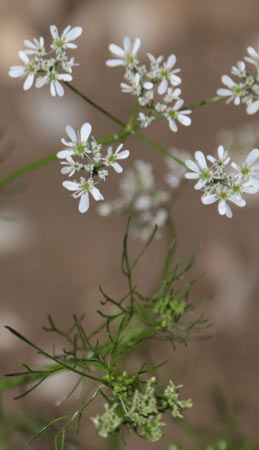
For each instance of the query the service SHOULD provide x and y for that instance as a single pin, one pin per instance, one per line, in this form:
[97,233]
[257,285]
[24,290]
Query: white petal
[211,158]
[228,211]
[175,80]
[200,184]
[127,44]
[70,45]
[53,88]
[72,134]
[116,50]
[222,207]
[117,167]
[199,156]
[252,157]
[178,104]
[228,81]
[224,92]
[66,30]
[59,88]
[54,31]
[251,51]
[184,120]
[250,189]
[253,108]
[74,33]
[63,154]
[28,82]
[85,131]
[172,125]
[162,88]
[64,77]
[16,71]
[118,148]
[221,151]
[114,62]
[136,47]
[123,155]
[192,165]
[148,85]
[84,203]
[208,199]
[96,194]
[171,62]
[238,200]
[192,175]
[70,185]
[24,57]
[29,44]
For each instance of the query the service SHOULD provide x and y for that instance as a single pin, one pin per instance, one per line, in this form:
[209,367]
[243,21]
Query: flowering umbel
[156,86]
[140,406]
[48,65]
[90,162]
[220,184]
[246,90]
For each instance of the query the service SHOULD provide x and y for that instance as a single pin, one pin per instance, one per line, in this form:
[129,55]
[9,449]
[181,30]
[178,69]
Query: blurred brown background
[52,259]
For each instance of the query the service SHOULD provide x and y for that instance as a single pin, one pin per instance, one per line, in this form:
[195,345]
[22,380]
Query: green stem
[158,147]
[132,115]
[30,168]
[99,108]
[204,102]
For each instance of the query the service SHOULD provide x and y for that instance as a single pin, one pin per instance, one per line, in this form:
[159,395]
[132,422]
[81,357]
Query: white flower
[82,190]
[52,78]
[64,41]
[68,64]
[173,114]
[168,75]
[199,170]
[144,120]
[172,94]
[223,195]
[248,170]
[70,166]
[253,56]
[223,157]
[253,107]
[36,47]
[134,88]
[29,70]
[111,158]
[239,70]
[79,141]
[126,56]
[234,91]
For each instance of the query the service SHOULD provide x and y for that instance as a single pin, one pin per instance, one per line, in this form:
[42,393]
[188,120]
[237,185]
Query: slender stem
[30,168]
[88,100]
[132,115]
[158,147]
[204,102]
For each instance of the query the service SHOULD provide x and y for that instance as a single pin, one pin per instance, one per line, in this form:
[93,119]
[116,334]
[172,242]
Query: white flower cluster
[89,160]
[48,65]
[140,198]
[160,78]
[247,89]
[220,184]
